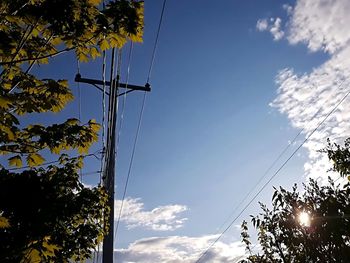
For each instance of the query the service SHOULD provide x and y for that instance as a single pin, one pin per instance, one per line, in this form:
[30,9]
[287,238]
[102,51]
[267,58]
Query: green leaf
[32,255]
[94,125]
[49,249]
[4,102]
[15,161]
[35,159]
[104,44]
[7,130]
[94,2]
[94,52]
[4,222]
[83,57]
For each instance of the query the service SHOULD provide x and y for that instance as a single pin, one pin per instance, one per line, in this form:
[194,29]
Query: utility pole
[109,163]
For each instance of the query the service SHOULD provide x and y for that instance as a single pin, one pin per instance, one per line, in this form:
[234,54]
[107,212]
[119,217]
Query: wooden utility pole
[109,163]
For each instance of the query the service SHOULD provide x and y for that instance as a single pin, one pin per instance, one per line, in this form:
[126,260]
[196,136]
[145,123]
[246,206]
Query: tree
[284,238]
[46,214]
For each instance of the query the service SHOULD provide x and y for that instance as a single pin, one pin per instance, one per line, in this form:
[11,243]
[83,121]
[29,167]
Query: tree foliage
[46,214]
[281,236]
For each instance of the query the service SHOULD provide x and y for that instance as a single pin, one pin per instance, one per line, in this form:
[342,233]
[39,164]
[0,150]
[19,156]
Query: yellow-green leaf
[4,222]
[7,130]
[56,150]
[72,121]
[35,159]
[4,103]
[49,249]
[63,82]
[32,255]
[94,125]
[94,2]
[94,52]
[15,161]
[56,41]
[104,44]
[83,57]
[83,149]
[117,40]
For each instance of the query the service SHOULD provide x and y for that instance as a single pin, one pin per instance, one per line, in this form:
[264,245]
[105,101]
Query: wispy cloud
[262,25]
[276,30]
[307,98]
[273,25]
[162,218]
[179,249]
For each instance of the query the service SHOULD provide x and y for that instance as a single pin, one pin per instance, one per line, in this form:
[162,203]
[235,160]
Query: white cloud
[162,218]
[276,30]
[262,24]
[307,98]
[90,186]
[288,8]
[180,249]
[321,24]
[273,25]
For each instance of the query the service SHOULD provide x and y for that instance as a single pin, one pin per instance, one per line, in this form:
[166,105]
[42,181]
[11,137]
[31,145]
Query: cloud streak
[162,218]
[179,249]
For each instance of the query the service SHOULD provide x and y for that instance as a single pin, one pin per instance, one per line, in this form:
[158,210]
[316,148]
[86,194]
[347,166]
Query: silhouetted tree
[282,237]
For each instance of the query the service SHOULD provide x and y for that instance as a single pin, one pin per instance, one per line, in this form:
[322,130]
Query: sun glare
[304,219]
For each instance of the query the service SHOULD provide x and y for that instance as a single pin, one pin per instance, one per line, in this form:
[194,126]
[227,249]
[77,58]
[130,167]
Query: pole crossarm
[96,82]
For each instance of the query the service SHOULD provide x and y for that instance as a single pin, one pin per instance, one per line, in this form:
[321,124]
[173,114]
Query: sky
[234,82]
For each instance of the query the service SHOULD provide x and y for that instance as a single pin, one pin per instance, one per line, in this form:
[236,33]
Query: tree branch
[31,65]
[21,43]
[38,58]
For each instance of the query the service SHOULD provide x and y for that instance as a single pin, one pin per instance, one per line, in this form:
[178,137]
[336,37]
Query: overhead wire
[252,189]
[121,120]
[156,42]
[103,111]
[109,116]
[120,131]
[113,107]
[79,110]
[108,178]
[103,127]
[273,176]
[131,163]
[140,118]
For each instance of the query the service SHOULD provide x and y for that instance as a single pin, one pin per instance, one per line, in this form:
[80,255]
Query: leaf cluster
[50,207]
[46,214]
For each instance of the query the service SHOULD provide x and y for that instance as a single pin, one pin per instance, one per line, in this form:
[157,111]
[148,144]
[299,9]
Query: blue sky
[233,83]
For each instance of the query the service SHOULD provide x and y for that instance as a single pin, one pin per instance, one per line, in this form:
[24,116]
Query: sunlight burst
[304,219]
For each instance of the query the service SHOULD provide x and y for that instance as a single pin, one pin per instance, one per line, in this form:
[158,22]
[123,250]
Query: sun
[304,219]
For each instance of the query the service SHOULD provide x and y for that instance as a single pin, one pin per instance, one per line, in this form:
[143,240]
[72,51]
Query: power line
[79,111]
[103,110]
[273,176]
[104,151]
[119,134]
[109,171]
[131,161]
[291,142]
[124,97]
[156,42]
[261,178]
[140,117]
